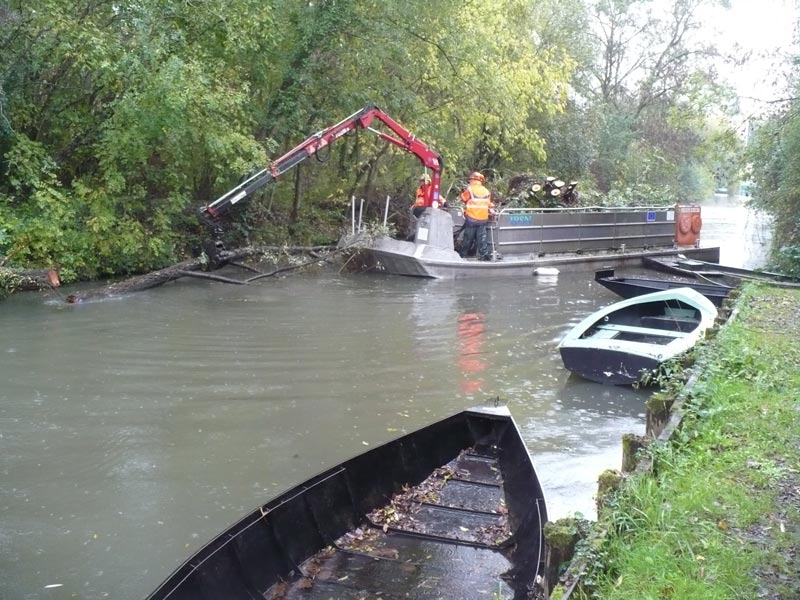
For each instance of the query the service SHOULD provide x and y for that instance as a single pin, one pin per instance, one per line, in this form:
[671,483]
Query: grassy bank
[719,515]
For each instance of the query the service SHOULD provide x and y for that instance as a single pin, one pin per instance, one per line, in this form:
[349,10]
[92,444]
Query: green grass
[713,520]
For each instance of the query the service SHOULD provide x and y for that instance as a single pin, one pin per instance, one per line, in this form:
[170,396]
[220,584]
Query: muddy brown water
[133,430]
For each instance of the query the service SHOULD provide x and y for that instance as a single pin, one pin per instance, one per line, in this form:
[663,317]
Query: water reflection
[472,360]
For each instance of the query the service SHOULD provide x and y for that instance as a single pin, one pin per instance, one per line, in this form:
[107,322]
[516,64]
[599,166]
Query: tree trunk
[23,280]
[298,195]
[194,268]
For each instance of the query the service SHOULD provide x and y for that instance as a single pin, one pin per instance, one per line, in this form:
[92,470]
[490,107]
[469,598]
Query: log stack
[25,280]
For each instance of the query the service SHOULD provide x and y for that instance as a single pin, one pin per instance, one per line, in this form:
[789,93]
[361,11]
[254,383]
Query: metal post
[386,211]
[352,215]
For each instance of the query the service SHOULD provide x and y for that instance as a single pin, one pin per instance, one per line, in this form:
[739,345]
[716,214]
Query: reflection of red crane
[470,356]
[363,119]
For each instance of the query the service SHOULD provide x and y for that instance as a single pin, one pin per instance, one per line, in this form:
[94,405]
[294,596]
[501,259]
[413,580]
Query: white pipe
[360,214]
[386,211]
[352,215]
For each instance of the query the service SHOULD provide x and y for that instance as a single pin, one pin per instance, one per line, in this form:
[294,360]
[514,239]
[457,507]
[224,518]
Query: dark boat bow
[441,512]
[630,287]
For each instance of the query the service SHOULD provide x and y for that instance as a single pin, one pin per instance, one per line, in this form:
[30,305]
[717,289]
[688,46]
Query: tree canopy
[119,119]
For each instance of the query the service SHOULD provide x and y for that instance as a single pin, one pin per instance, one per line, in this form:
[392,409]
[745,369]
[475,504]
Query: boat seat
[668,322]
[680,313]
[641,330]
[604,334]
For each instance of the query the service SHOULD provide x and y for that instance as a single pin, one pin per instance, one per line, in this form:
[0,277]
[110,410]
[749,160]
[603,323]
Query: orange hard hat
[476,176]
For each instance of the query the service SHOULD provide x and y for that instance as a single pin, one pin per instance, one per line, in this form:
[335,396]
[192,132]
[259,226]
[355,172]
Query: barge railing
[553,230]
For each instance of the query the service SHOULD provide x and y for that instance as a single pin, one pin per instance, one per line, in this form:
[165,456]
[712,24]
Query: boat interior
[408,548]
[653,323]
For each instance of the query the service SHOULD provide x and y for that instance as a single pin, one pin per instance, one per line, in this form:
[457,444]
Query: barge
[524,240]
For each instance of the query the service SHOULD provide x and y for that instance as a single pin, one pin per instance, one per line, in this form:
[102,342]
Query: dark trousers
[475,233]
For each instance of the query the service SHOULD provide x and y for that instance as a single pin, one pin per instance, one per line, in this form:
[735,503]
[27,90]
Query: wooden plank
[604,334]
[642,330]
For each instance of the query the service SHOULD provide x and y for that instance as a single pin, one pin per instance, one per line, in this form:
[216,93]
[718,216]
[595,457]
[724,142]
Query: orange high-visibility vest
[478,201]
[422,191]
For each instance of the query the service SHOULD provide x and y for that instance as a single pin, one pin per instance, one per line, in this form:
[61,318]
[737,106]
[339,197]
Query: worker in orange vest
[423,193]
[477,205]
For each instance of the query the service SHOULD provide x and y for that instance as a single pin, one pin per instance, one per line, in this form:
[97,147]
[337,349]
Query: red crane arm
[362,119]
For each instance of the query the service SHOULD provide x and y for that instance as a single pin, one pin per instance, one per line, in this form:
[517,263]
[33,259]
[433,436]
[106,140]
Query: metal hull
[619,343]
[603,365]
[397,257]
[523,240]
[699,268]
[631,287]
[325,538]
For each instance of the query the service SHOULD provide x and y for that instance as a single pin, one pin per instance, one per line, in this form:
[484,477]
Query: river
[133,430]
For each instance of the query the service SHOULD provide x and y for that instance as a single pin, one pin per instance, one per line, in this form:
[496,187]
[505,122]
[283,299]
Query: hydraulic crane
[363,119]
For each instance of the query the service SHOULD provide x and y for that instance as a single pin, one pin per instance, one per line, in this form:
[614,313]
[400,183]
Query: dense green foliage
[775,156]
[119,119]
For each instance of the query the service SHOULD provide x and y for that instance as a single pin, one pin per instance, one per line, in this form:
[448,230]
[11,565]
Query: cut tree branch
[195,268]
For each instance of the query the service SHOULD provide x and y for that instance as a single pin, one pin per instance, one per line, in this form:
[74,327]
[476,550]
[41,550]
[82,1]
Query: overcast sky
[763,27]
